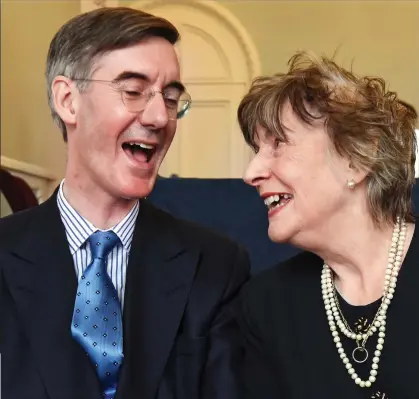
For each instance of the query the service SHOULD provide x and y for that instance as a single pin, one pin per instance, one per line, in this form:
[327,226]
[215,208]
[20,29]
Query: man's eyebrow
[126,75]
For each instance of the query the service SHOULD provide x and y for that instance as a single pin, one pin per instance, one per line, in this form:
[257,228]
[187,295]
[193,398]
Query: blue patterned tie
[97,322]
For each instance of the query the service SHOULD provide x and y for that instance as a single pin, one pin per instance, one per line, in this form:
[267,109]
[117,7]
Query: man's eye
[132,93]
[171,103]
[172,94]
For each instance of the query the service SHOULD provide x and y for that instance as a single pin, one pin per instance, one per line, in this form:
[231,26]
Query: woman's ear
[64,98]
[356,174]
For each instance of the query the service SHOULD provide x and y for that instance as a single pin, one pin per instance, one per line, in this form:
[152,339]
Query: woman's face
[303,182]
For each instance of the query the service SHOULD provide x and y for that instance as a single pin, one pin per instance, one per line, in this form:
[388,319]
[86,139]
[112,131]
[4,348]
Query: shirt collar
[78,229]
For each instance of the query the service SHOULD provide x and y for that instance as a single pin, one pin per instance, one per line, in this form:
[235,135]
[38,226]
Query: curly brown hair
[366,123]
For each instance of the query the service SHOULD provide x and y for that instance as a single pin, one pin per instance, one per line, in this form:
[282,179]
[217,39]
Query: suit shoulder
[220,256]
[12,226]
[195,233]
[271,301]
[301,270]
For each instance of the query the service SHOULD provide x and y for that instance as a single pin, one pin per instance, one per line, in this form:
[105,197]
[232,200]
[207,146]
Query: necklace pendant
[379,395]
[360,354]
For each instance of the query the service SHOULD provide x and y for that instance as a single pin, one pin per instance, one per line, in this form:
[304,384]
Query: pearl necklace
[336,319]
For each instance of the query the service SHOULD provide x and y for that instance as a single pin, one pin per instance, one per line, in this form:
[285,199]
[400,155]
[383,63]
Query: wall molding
[225,16]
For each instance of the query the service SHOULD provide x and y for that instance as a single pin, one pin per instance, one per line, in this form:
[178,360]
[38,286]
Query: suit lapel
[159,278]
[43,283]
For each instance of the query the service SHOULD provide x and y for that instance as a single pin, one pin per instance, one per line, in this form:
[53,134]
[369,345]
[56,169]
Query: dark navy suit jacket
[180,338]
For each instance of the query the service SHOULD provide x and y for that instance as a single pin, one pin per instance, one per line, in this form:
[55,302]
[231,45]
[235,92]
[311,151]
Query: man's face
[102,155]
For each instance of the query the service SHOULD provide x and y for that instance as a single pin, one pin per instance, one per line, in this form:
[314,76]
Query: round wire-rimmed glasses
[177,102]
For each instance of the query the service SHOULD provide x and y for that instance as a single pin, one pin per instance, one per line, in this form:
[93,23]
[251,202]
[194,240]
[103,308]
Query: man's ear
[65,98]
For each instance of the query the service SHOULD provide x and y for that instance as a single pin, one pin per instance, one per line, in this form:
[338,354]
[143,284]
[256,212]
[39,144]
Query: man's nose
[257,171]
[155,113]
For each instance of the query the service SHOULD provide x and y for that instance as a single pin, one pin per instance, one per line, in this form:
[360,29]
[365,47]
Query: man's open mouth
[141,152]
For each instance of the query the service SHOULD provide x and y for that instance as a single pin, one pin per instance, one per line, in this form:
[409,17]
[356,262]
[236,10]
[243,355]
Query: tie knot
[102,243]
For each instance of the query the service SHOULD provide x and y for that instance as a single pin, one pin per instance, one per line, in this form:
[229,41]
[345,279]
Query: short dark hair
[366,123]
[82,40]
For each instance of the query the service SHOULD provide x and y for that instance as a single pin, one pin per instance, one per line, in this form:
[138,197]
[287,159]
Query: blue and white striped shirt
[78,230]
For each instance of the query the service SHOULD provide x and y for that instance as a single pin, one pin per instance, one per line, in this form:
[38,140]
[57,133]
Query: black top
[289,349]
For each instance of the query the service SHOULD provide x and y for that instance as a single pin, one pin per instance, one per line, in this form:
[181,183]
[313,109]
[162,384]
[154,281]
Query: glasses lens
[136,102]
[184,105]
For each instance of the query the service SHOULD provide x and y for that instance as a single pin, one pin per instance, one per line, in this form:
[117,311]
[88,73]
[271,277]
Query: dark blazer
[180,339]
[289,351]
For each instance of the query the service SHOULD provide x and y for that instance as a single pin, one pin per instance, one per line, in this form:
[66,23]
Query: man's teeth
[142,145]
[276,200]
